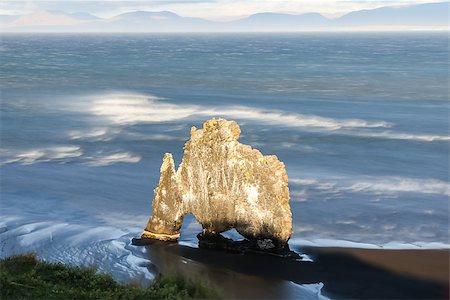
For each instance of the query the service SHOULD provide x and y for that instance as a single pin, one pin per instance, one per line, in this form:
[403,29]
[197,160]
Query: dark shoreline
[345,272]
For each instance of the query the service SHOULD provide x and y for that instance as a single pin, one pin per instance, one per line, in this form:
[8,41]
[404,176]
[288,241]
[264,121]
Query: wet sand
[425,264]
[344,272]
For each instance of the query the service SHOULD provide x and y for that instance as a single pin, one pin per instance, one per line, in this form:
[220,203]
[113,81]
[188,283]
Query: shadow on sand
[253,275]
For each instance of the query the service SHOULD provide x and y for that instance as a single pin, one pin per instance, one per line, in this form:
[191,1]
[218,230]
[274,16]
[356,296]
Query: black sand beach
[346,273]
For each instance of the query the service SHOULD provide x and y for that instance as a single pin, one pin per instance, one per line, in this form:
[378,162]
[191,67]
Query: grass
[25,277]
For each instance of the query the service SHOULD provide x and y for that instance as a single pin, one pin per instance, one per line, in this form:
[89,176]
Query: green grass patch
[25,277]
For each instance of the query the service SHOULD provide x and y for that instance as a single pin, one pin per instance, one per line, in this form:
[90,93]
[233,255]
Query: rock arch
[224,184]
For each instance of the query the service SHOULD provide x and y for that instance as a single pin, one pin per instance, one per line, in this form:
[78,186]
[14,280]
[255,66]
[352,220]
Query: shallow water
[360,120]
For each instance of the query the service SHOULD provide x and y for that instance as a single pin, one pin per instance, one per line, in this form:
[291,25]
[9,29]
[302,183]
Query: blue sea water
[361,121]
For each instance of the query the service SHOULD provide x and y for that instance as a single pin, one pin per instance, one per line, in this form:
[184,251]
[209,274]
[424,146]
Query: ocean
[361,121]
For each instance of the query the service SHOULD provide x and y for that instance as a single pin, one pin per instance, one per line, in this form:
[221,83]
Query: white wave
[132,222]
[119,157]
[348,222]
[398,184]
[106,248]
[377,185]
[395,245]
[304,181]
[299,196]
[95,134]
[152,137]
[136,108]
[328,186]
[190,244]
[308,291]
[288,145]
[64,154]
[60,153]
[131,108]
[291,119]
[400,136]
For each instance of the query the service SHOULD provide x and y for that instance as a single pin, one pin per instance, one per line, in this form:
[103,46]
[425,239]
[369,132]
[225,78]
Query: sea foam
[377,185]
[132,108]
[31,156]
[393,245]
[107,248]
[136,108]
[64,154]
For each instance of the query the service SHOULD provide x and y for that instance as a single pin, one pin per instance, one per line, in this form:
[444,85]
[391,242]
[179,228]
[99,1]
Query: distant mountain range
[422,16]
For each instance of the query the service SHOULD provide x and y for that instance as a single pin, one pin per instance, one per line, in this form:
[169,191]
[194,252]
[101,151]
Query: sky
[208,9]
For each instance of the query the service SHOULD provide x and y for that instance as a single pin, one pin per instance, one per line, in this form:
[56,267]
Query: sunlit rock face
[224,184]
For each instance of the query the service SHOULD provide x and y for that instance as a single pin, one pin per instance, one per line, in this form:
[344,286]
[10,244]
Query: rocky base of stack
[221,243]
[160,236]
[263,246]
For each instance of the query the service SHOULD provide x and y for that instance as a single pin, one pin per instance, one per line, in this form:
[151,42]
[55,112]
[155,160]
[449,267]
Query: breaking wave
[381,185]
[106,248]
[394,245]
[65,154]
[119,157]
[400,136]
[59,153]
[94,134]
[135,108]
[395,184]
[291,119]
[128,108]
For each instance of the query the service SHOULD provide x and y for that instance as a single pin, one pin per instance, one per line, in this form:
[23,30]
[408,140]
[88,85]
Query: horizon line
[424,30]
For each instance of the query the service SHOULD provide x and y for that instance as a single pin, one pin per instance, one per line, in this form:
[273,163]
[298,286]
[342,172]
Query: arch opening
[233,235]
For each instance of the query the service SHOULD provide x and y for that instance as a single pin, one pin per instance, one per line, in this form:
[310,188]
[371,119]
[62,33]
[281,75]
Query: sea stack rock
[225,185]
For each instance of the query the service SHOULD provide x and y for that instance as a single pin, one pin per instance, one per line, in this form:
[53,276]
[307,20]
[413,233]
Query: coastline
[322,273]
[333,272]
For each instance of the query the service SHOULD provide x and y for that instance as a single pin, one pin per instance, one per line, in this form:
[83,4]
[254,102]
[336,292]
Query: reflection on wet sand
[219,270]
[335,273]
